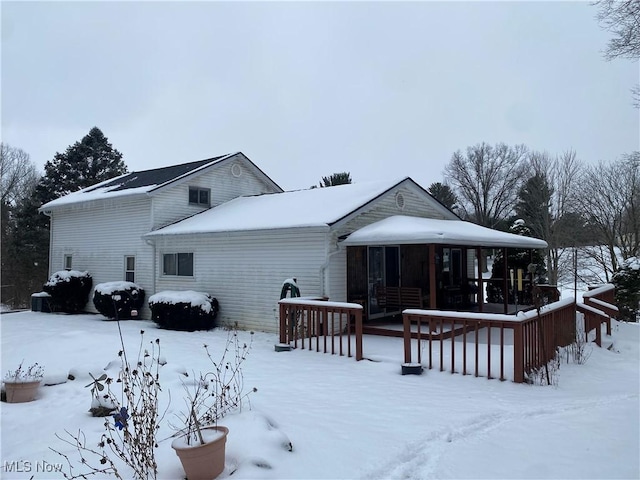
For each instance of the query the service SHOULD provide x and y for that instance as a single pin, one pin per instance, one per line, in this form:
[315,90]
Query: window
[180,264]
[199,196]
[130,269]
[68,261]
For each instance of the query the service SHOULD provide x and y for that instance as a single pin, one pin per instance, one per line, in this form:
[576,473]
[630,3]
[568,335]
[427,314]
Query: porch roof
[401,229]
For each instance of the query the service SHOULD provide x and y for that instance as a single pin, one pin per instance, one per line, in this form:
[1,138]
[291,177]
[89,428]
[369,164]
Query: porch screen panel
[356,273]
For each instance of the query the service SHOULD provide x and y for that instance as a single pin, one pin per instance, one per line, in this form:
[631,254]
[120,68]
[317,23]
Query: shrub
[123,296]
[69,290]
[627,282]
[187,310]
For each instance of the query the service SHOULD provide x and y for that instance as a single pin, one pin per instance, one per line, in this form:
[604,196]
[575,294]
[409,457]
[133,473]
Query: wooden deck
[393,327]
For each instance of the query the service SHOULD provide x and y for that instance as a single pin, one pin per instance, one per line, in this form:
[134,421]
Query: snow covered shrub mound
[69,290]
[123,296]
[627,282]
[184,310]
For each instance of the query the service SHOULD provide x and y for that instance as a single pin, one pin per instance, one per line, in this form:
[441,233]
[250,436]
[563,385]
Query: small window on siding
[199,196]
[68,262]
[180,264]
[130,268]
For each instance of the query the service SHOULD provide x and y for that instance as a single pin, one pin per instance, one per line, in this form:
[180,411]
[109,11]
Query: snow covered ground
[344,419]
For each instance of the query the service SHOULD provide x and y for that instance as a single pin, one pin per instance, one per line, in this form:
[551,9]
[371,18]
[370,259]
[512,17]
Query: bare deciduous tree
[622,18]
[486,181]
[557,222]
[17,174]
[610,202]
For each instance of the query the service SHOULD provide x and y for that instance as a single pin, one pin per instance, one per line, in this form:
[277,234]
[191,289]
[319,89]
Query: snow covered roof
[317,207]
[138,183]
[401,229]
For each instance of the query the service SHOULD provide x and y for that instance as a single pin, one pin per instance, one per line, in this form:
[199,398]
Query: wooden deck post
[433,292]
[283,324]
[359,335]
[518,354]
[406,323]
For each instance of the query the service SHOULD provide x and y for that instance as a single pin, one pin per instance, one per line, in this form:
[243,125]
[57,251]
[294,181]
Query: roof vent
[236,170]
[400,200]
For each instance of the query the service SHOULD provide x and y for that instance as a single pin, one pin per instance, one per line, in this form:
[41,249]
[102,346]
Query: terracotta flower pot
[203,462]
[19,392]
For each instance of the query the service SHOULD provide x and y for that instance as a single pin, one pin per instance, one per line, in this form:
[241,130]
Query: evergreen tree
[533,205]
[444,195]
[85,163]
[627,282]
[342,178]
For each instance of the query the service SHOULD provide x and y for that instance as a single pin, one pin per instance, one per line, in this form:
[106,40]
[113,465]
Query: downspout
[154,263]
[325,265]
[152,242]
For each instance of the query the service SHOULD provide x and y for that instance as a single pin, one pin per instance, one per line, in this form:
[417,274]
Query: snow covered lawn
[344,419]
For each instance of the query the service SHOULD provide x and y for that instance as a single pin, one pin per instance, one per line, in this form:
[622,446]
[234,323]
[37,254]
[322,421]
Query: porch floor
[392,326]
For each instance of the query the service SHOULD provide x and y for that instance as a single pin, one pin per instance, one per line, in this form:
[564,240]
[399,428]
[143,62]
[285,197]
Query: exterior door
[384,271]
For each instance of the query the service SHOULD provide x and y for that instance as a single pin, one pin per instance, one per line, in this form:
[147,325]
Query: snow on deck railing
[521,316]
[534,338]
[306,321]
[599,290]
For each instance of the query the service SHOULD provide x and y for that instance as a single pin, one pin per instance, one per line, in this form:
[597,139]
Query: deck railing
[320,325]
[475,337]
[603,299]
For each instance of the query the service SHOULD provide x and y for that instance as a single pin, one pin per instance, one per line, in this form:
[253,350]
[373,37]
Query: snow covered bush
[123,296]
[69,290]
[627,282]
[184,310]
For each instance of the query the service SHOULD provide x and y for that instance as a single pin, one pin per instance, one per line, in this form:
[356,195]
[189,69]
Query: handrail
[303,320]
[535,338]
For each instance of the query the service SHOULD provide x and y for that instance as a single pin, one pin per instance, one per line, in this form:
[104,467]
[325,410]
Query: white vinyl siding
[99,247]
[171,204]
[245,271]
[416,204]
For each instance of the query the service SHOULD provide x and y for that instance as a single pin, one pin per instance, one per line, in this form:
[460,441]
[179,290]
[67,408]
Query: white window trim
[199,189]
[176,276]
[126,270]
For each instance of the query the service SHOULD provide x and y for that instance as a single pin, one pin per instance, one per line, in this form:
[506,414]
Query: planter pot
[19,392]
[203,462]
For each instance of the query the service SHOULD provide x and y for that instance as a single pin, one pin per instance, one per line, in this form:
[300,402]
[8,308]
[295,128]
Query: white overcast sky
[307,89]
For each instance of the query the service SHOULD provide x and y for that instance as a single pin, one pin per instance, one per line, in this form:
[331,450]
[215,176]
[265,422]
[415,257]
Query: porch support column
[480,279]
[432,278]
[505,287]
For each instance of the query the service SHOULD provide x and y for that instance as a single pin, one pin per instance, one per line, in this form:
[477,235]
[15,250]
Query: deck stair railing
[599,306]
[533,339]
[327,327]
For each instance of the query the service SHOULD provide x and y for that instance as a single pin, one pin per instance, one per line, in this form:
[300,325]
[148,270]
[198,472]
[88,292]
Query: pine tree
[533,205]
[342,178]
[444,195]
[85,163]
[627,282]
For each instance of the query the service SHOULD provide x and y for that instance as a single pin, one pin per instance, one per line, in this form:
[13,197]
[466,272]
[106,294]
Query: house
[224,227]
